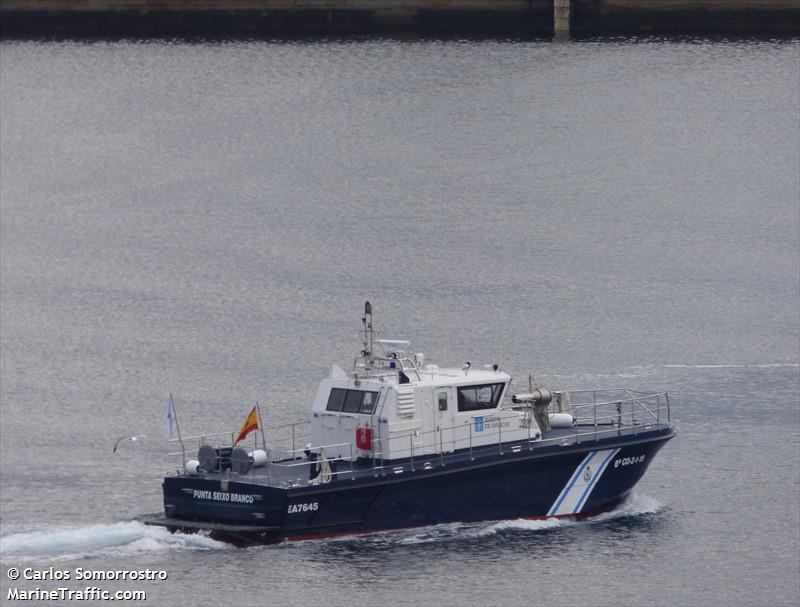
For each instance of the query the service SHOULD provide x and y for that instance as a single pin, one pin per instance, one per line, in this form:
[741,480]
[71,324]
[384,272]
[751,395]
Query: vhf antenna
[368,337]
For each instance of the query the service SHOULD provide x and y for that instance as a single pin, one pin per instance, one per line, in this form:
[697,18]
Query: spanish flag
[250,424]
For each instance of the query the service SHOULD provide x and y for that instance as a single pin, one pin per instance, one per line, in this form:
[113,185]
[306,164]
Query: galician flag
[250,424]
[170,418]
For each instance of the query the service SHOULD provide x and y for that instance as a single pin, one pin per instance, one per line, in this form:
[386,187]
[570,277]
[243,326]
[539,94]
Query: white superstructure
[392,406]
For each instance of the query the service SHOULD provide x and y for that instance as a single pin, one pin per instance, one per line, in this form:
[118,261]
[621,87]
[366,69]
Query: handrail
[444,460]
[298,423]
[202,436]
[319,447]
[614,418]
[606,418]
[581,405]
[641,404]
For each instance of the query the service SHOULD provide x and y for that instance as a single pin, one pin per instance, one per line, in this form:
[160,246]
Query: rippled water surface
[207,220]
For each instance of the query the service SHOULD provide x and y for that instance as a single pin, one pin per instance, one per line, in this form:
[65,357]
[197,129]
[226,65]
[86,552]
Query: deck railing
[598,414]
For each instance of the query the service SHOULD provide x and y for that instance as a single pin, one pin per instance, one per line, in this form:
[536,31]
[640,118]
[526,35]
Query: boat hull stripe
[595,479]
[576,492]
[570,484]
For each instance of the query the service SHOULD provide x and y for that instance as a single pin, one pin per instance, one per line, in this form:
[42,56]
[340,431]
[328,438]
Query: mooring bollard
[561,14]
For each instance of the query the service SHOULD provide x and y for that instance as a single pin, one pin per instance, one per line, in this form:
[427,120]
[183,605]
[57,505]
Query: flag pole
[178,428]
[261,426]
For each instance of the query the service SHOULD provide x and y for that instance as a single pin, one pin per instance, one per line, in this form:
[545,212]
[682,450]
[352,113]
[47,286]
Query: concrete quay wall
[271,17]
[257,18]
[753,17]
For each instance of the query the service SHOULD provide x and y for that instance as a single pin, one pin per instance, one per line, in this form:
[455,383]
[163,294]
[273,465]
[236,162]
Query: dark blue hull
[574,480]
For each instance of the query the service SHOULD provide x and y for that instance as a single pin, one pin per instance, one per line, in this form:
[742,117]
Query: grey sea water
[208,219]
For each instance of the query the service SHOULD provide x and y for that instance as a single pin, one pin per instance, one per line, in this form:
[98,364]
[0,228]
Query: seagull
[130,438]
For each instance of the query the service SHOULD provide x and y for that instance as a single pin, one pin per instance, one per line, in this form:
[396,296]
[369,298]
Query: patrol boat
[399,443]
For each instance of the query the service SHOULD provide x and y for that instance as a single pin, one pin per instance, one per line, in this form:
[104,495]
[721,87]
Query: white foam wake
[117,538]
[635,505]
[523,524]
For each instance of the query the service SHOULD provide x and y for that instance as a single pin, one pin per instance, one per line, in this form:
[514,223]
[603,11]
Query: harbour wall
[749,17]
[266,18]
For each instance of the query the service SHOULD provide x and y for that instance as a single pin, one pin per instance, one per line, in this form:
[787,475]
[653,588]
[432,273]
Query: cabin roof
[456,376]
[452,376]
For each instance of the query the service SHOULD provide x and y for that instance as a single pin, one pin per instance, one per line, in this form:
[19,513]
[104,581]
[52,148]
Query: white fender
[561,420]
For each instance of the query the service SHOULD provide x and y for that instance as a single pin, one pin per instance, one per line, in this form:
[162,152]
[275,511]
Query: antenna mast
[368,334]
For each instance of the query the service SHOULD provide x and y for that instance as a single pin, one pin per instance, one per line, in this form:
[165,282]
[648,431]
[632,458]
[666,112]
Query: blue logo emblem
[479,424]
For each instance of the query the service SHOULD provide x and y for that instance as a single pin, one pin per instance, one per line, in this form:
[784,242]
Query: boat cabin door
[444,404]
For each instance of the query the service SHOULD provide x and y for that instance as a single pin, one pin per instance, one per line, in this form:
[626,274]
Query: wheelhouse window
[352,401]
[483,396]
[336,399]
[369,403]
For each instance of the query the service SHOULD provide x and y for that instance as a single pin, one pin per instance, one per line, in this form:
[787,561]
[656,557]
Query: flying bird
[130,438]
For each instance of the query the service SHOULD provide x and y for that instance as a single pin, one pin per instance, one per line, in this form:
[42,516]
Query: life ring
[364,438]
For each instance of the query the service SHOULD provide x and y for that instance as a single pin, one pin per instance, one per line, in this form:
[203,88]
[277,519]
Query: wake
[132,538]
[115,539]
[635,506]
